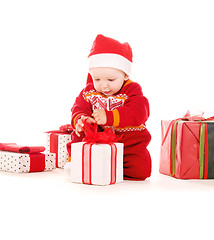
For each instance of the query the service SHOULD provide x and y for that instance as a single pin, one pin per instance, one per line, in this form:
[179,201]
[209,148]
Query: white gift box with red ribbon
[96,163]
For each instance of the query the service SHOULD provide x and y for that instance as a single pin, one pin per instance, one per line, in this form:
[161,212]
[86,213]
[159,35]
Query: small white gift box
[95,163]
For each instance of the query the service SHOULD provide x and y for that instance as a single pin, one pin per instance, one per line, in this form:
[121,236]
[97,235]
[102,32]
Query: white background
[43,65]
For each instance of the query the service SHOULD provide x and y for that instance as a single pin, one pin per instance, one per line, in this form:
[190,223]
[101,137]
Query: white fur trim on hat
[110,60]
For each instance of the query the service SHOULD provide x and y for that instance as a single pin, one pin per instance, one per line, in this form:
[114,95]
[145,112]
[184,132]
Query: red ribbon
[206,153]
[92,136]
[64,129]
[187,117]
[37,162]
[54,139]
[196,117]
[13,147]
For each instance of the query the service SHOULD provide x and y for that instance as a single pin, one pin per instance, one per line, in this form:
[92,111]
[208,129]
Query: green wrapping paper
[210,129]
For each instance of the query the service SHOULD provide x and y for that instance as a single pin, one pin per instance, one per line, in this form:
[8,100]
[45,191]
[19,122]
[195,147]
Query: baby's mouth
[106,92]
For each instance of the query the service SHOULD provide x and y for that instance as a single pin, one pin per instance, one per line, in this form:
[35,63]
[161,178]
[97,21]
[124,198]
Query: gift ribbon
[64,129]
[37,162]
[203,147]
[86,163]
[92,136]
[201,150]
[13,147]
[172,155]
[54,139]
[187,117]
[206,153]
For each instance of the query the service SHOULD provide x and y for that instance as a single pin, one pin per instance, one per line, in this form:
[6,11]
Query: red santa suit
[126,111]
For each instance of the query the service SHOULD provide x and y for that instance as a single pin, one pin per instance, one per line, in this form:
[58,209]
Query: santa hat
[108,52]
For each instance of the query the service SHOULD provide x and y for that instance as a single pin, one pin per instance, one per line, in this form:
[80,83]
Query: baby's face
[107,81]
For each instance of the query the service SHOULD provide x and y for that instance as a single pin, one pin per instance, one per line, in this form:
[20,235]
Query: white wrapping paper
[100,163]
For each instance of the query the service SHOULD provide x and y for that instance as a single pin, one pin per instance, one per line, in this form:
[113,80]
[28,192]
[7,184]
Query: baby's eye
[96,79]
[111,79]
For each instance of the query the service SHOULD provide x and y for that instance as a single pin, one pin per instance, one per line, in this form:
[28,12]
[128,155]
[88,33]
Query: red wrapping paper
[186,149]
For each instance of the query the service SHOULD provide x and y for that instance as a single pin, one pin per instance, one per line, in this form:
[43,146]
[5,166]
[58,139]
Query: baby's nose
[105,84]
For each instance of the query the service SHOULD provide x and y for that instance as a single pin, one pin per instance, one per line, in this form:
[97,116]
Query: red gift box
[187,148]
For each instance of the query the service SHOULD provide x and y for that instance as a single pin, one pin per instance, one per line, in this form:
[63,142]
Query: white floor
[46,205]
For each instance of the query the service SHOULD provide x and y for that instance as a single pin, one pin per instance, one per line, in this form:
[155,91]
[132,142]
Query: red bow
[13,147]
[188,117]
[92,136]
[196,116]
[64,129]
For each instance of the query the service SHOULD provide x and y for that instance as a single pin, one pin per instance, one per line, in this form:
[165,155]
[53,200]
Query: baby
[111,99]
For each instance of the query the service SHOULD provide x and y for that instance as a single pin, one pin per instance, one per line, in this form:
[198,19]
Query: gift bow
[64,129]
[13,147]
[195,117]
[187,117]
[93,136]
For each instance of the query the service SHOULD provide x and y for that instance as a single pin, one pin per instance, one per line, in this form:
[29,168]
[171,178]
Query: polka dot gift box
[57,143]
[14,158]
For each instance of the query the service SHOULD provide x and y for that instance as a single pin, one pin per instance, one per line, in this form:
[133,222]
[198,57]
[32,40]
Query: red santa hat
[108,52]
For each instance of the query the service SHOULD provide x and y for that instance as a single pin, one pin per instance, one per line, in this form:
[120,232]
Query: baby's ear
[126,77]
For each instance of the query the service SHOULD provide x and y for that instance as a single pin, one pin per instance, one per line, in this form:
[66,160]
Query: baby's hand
[100,116]
[80,125]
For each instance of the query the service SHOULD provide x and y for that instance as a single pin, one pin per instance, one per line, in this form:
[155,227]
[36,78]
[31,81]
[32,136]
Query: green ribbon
[173,146]
[201,149]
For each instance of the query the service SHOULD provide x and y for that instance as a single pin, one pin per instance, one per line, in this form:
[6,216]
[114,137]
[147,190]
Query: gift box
[56,143]
[187,148]
[20,162]
[98,159]
[98,164]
